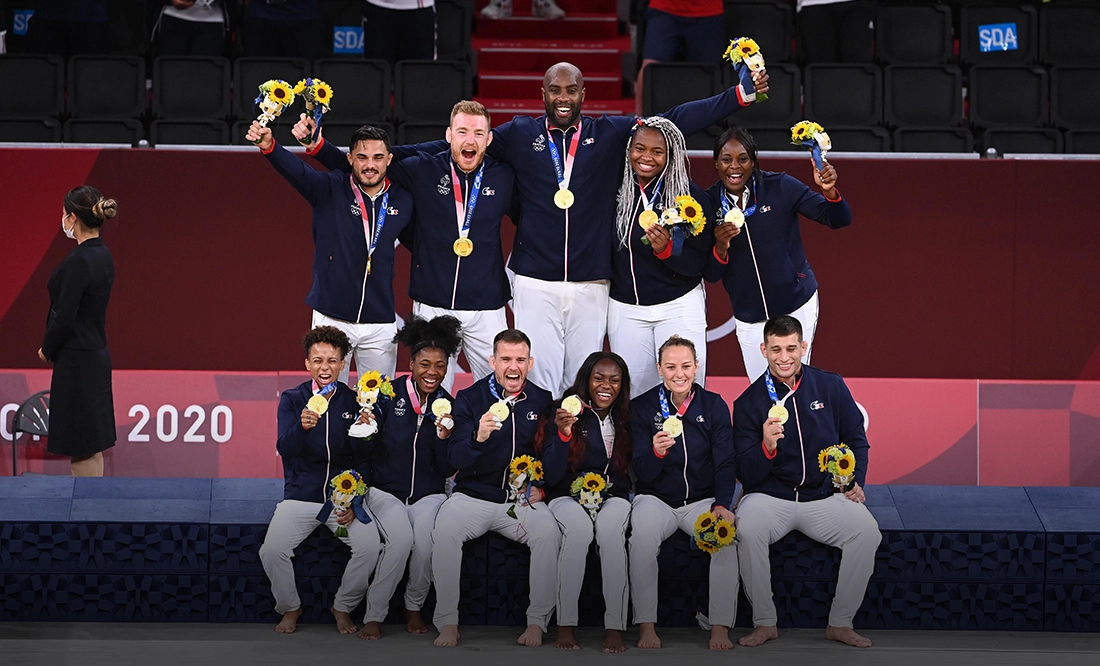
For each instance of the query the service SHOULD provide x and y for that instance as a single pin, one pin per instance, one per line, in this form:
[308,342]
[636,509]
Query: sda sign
[997,37]
[347,39]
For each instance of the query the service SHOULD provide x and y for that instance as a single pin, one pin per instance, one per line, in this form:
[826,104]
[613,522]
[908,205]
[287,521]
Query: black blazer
[79,289]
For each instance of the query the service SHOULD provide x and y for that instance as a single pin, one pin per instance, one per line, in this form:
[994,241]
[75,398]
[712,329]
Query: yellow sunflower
[594,483]
[708,548]
[704,522]
[322,92]
[823,459]
[300,87]
[521,464]
[724,532]
[747,46]
[281,93]
[536,470]
[344,482]
[846,464]
[804,131]
[370,381]
[691,212]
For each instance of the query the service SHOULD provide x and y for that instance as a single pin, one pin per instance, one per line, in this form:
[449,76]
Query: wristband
[769,456]
[660,456]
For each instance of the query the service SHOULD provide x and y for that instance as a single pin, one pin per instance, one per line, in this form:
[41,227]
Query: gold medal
[441,406]
[778,412]
[573,405]
[735,217]
[317,404]
[500,410]
[647,219]
[463,247]
[368,265]
[563,199]
[673,426]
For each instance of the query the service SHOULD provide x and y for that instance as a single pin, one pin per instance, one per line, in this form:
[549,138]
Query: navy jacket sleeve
[498,149]
[292,436]
[850,427]
[439,453]
[75,277]
[714,270]
[748,437]
[555,453]
[463,449]
[331,157]
[721,446]
[646,463]
[814,205]
[430,147]
[304,178]
[693,256]
[692,117]
[403,171]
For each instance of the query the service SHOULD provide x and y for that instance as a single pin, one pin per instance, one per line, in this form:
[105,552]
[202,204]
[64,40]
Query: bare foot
[847,636]
[613,641]
[448,636]
[343,622]
[759,636]
[567,639]
[532,637]
[647,636]
[720,638]
[414,623]
[372,631]
[289,623]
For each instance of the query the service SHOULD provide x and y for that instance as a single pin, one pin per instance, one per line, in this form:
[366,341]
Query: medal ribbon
[372,239]
[748,211]
[567,173]
[328,388]
[649,202]
[465,213]
[493,390]
[771,388]
[414,395]
[665,411]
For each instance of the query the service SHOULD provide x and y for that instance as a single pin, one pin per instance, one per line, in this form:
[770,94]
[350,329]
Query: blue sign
[347,39]
[19,21]
[997,37]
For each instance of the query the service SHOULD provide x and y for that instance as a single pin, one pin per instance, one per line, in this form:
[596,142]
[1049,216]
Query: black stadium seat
[33,85]
[189,132]
[1023,140]
[913,34]
[125,130]
[668,84]
[191,88]
[1075,97]
[409,133]
[843,94]
[972,35]
[29,130]
[1008,96]
[770,24]
[774,138]
[453,21]
[249,73]
[784,103]
[360,88]
[1083,142]
[340,133]
[106,87]
[280,129]
[923,95]
[1069,33]
[933,140]
[858,139]
[426,90]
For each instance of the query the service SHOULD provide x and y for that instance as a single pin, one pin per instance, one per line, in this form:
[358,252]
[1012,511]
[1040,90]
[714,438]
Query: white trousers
[406,532]
[577,528]
[293,521]
[750,335]
[636,332]
[462,518]
[835,521]
[566,322]
[652,521]
[479,327]
[372,345]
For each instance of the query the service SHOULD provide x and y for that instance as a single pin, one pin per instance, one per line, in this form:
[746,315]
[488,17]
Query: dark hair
[677,341]
[742,136]
[370,133]
[782,326]
[443,333]
[327,335]
[620,414]
[89,206]
[512,336]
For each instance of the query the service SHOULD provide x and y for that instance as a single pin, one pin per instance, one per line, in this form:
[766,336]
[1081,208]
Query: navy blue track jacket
[408,460]
[555,457]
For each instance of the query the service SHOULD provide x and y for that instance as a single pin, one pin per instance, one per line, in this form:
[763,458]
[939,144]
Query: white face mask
[71,231]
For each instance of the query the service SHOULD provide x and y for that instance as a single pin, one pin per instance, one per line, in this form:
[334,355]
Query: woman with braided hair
[82,408]
[665,233]
[409,469]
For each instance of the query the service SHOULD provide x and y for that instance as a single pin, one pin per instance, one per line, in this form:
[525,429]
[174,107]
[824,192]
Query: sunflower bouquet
[841,463]
[810,134]
[745,56]
[370,386]
[684,218]
[274,98]
[346,486]
[589,490]
[318,96]
[713,533]
[523,471]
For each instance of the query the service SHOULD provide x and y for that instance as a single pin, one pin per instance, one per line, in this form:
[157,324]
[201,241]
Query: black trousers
[838,32]
[398,34]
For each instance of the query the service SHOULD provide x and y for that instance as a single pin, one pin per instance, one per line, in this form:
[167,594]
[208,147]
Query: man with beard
[457,260]
[356,221]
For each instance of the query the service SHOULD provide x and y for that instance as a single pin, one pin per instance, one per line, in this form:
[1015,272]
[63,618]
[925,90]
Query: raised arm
[831,210]
[692,117]
[309,182]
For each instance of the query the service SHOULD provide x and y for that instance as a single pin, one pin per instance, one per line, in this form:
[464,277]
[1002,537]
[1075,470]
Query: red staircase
[513,54]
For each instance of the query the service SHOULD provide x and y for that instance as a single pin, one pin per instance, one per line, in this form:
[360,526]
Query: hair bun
[105,209]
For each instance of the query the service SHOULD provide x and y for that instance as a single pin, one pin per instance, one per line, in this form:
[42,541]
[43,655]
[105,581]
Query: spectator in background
[191,28]
[836,30]
[682,30]
[399,30]
[502,9]
[68,27]
[284,28]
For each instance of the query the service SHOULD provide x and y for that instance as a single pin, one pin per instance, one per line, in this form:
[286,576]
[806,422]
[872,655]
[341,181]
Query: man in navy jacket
[496,420]
[778,455]
[357,219]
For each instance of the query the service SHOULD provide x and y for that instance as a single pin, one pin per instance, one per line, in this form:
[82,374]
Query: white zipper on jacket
[756,267]
[416,437]
[687,488]
[454,289]
[630,249]
[801,444]
[328,453]
[504,482]
[374,226]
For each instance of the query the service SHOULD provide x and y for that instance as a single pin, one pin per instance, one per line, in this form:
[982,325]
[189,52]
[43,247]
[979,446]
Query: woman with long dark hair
[82,407]
[571,445]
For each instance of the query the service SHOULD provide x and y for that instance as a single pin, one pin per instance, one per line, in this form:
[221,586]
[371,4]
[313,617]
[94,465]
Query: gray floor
[155,644]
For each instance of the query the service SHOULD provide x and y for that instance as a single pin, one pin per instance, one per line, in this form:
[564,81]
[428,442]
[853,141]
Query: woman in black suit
[82,413]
